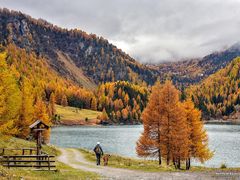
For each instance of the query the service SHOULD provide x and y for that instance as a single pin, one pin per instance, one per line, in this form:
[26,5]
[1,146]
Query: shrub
[223,166]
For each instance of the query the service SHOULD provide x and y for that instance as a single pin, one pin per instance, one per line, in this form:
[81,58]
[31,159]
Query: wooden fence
[27,159]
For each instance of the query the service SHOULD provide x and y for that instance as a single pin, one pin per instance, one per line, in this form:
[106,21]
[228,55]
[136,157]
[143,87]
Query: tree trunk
[188,163]
[168,159]
[159,157]
[179,163]
[174,163]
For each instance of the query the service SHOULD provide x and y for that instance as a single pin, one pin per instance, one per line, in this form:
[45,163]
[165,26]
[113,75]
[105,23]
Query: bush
[223,166]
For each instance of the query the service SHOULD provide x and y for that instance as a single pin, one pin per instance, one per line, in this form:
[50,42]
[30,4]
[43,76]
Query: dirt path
[75,159]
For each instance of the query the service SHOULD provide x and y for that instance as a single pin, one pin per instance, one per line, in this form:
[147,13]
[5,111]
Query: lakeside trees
[173,130]
[123,101]
[26,79]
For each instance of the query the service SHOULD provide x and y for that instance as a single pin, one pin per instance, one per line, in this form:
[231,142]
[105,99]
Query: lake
[223,139]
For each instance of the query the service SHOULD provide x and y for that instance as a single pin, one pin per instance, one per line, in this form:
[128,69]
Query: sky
[151,31]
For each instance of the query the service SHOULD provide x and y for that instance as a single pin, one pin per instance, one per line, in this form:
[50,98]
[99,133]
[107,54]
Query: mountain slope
[193,71]
[88,60]
[219,94]
[43,79]
[96,59]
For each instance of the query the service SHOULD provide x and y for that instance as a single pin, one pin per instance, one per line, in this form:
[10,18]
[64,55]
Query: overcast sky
[148,30]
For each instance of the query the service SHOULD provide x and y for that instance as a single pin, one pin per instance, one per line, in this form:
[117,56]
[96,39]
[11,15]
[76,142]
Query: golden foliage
[173,130]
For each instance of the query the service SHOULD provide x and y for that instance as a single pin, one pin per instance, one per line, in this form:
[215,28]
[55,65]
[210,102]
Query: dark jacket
[98,149]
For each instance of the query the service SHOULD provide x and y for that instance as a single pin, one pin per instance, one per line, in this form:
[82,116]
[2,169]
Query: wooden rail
[24,160]
[22,150]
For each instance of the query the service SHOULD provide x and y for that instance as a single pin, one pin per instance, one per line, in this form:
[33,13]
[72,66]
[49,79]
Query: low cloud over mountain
[150,31]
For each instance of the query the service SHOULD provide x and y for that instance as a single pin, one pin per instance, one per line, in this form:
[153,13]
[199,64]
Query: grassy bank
[147,165]
[11,142]
[71,115]
[63,171]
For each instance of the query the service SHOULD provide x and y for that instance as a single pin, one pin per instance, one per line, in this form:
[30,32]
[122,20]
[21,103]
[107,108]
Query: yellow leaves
[8,128]
[172,130]
[198,136]
[3,63]
[124,113]
[41,114]
[216,95]
[94,104]
[27,109]
[104,116]
[64,101]
[2,101]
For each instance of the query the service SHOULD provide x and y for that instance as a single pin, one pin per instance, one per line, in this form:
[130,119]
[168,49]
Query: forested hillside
[193,71]
[27,84]
[84,58]
[122,102]
[64,67]
[89,60]
[219,94]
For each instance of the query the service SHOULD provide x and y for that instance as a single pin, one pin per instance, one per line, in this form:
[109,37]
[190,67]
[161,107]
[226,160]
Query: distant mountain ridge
[193,71]
[72,51]
[89,60]
[218,96]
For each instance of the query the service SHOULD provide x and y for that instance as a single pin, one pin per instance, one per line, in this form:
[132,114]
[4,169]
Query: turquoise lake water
[224,140]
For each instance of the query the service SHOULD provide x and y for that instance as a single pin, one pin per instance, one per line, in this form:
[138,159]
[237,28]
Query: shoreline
[213,122]
[222,122]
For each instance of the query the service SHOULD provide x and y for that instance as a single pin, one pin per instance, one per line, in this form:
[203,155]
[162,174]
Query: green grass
[147,165]
[63,171]
[72,113]
[129,163]
[11,142]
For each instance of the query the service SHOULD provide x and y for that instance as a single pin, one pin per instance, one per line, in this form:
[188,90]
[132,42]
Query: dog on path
[106,158]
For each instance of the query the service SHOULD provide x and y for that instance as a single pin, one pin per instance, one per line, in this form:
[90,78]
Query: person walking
[99,152]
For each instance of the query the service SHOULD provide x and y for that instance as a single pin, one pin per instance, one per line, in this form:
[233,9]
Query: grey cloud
[149,30]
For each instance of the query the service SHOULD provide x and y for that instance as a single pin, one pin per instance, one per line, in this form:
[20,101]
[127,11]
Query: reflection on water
[223,139]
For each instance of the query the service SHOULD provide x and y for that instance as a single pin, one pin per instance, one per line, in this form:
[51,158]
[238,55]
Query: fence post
[48,163]
[8,162]
[14,159]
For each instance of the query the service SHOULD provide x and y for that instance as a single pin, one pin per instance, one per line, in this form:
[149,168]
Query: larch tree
[41,113]
[172,130]
[64,101]
[198,146]
[125,113]
[174,133]
[27,110]
[104,116]
[51,105]
[149,143]
[126,99]
[94,104]
[10,99]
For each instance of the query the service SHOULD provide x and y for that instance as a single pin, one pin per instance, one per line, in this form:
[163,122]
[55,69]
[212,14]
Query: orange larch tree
[64,101]
[198,145]
[41,113]
[27,109]
[174,133]
[172,130]
[149,143]
[51,105]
